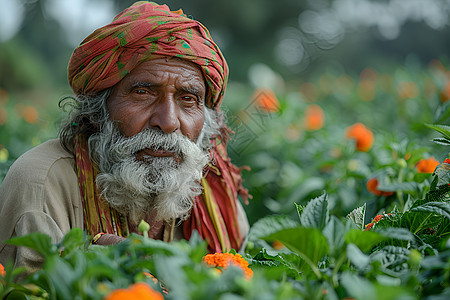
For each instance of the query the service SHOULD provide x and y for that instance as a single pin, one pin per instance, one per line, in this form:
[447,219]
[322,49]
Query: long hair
[87,113]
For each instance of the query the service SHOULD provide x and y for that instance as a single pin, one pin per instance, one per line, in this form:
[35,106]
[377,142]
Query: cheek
[130,120]
[193,125]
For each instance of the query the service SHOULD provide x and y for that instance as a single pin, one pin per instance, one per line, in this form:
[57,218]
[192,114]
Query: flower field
[350,178]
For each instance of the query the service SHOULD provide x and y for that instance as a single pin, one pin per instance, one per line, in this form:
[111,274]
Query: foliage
[290,162]
[404,255]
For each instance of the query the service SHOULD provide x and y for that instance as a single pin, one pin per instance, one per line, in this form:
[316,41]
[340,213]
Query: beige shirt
[40,193]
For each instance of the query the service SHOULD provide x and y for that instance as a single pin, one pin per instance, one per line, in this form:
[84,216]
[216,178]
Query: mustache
[150,138]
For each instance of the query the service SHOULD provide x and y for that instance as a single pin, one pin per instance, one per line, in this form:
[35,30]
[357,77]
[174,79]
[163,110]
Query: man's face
[164,93]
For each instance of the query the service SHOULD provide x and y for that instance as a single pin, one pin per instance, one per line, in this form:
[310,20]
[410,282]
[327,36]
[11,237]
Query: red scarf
[214,214]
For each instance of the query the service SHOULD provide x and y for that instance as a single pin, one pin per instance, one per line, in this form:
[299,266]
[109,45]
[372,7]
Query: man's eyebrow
[138,84]
[192,90]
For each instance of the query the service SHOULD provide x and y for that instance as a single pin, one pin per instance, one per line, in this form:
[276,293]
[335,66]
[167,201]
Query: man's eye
[189,99]
[140,91]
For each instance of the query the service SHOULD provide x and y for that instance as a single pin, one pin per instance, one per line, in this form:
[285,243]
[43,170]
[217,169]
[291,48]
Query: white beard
[161,184]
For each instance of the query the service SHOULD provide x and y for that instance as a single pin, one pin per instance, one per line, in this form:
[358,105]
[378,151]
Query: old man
[145,140]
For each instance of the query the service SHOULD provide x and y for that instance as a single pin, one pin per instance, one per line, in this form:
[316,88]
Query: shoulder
[35,165]
[42,175]
[43,181]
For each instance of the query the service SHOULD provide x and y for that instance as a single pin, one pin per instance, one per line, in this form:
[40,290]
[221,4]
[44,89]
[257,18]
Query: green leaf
[441,208]
[357,216]
[397,233]
[365,240]
[61,276]
[309,243]
[17,295]
[358,287]
[277,263]
[335,231]
[316,213]
[357,257]
[73,240]
[401,234]
[442,129]
[442,113]
[394,292]
[269,225]
[443,173]
[408,204]
[442,141]
[40,242]
[300,209]
[407,187]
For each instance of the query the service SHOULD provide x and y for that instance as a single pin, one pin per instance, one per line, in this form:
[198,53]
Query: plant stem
[400,193]
[339,262]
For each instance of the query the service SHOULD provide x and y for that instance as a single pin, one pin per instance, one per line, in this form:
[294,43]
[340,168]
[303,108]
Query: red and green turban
[142,32]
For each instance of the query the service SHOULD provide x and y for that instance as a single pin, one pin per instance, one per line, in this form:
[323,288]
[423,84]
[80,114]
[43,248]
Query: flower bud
[401,163]
[144,227]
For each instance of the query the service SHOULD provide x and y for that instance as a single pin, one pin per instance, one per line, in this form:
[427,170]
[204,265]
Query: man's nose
[165,116]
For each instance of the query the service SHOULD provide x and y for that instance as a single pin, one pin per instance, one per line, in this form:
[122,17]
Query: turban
[142,32]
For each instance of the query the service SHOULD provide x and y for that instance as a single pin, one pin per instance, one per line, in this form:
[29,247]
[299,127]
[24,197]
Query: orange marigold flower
[309,90]
[407,90]
[30,114]
[372,186]
[362,135]
[266,100]
[314,117]
[3,116]
[277,245]
[137,291]
[223,260]
[2,270]
[445,93]
[427,165]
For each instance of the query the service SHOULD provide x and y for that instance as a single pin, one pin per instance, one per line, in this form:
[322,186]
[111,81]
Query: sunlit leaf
[442,129]
[40,242]
[309,243]
[357,216]
[269,225]
[365,240]
[316,213]
[73,240]
[335,231]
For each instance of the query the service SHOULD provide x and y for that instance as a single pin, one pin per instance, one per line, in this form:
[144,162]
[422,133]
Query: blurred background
[301,73]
